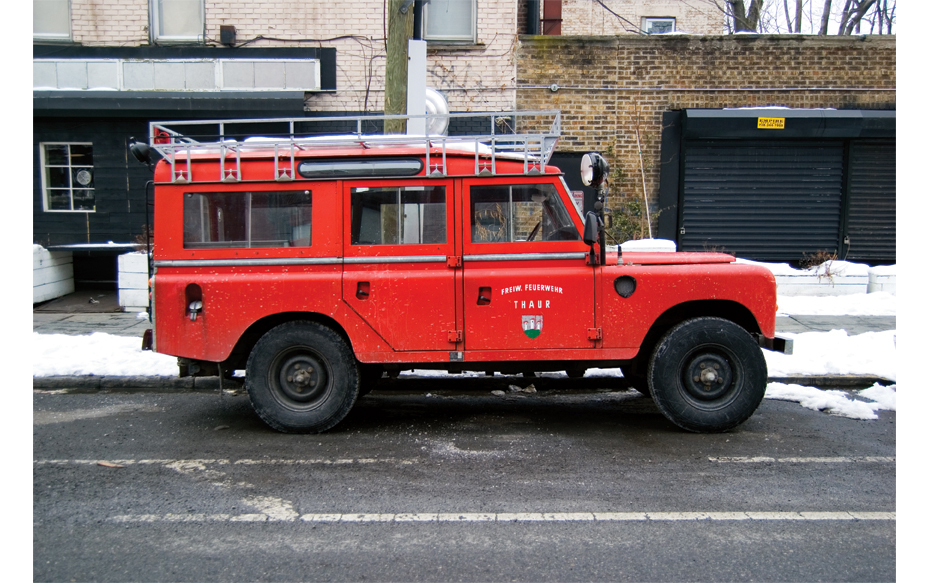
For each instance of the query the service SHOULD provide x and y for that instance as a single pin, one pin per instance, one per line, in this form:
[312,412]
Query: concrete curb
[130,384]
[122,384]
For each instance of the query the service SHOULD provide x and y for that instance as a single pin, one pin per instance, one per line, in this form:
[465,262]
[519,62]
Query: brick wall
[110,22]
[585,17]
[478,77]
[610,87]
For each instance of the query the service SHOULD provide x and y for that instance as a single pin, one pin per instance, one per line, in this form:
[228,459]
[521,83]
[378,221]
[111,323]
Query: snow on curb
[837,402]
[836,352]
[97,354]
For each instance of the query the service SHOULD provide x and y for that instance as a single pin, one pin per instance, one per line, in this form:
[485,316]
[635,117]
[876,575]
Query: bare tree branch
[854,17]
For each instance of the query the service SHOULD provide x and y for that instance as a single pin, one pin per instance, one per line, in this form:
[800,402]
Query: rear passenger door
[398,238]
[526,282]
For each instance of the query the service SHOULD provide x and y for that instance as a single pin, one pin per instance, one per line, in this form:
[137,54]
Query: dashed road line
[805,460]
[446,517]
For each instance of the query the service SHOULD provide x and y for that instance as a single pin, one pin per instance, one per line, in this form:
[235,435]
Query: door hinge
[454,261]
[455,336]
[595,334]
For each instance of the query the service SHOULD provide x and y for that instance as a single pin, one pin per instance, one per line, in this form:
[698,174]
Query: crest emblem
[532,325]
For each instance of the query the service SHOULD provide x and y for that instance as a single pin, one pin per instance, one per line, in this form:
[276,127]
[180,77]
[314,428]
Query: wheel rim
[710,377]
[300,378]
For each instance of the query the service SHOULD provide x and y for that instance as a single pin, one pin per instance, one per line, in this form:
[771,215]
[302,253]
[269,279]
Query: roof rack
[529,136]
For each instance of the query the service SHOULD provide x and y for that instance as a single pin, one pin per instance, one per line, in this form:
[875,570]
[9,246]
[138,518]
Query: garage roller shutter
[872,187]
[763,201]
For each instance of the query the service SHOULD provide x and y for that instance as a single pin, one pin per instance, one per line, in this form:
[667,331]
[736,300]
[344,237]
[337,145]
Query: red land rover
[318,263]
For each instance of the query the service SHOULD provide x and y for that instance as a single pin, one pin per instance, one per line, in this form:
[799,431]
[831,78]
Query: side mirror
[591,229]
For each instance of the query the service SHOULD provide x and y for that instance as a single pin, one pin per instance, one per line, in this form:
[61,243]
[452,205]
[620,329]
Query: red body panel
[422,303]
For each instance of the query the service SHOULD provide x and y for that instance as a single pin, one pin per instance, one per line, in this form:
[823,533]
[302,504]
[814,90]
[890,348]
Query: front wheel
[302,378]
[707,375]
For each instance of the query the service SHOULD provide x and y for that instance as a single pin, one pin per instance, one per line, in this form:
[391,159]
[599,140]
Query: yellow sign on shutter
[771,123]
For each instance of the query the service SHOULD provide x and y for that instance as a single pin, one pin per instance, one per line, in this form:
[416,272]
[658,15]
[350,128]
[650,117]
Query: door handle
[484,296]
[362,290]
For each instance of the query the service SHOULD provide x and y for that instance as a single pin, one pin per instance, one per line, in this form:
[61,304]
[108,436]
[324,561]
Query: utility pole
[400,30]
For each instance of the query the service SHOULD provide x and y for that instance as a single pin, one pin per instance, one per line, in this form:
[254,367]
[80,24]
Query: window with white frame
[177,20]
[51,19]
[68,176]
[450,20]
[658,25]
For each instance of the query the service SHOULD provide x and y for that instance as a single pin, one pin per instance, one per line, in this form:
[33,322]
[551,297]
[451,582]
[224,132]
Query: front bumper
[777,344]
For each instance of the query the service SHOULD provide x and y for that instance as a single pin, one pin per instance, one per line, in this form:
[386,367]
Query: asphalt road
[456,486]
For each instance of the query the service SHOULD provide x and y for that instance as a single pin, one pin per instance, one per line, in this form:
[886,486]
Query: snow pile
[836,352]
[837,402]
[874,304]
[98,354]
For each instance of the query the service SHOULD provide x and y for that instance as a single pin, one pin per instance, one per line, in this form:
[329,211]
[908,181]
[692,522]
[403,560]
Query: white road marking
[805,460]
[283,512]
[276,509]
[197,463]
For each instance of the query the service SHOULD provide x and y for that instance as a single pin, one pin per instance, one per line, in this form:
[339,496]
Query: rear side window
[407,215]
[519,213]
[247,219]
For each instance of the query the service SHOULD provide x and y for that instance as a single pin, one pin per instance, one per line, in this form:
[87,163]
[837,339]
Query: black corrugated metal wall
[870,225]
[821,180]
[762,200]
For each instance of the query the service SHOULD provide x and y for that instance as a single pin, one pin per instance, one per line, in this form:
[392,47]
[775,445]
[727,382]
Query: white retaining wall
[52,274]
[833,278]
[133,280]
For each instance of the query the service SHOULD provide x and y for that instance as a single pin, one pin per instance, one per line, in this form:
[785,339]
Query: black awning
[798,123]
[155,104]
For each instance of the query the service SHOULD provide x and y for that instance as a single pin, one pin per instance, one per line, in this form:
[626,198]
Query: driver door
[526,282]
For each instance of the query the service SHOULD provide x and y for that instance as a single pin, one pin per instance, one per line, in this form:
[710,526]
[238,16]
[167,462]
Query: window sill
[172,42]
[443,46]
[40,40]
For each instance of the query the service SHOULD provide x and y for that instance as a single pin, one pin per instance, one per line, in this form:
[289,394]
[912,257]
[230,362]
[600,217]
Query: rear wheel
[707,375]
[302,378]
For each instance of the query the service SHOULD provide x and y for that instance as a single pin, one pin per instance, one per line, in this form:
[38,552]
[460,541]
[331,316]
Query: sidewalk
[75,315]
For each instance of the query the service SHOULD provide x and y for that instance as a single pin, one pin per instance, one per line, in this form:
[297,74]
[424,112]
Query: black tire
[719,399]
[322,391]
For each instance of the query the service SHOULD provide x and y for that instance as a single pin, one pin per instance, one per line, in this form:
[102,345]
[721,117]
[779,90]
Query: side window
[68,177]
[51,20]
[407,215]
[519,213]
[449,20]
[247,219]
[658,25]
[177,20]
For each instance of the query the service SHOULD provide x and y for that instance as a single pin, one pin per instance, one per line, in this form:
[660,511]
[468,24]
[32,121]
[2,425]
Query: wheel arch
[251,335]
[726,309]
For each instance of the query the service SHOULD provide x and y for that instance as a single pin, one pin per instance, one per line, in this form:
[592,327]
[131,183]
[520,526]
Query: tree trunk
[744,21]
[825,19]
[798,14]
[400,29]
